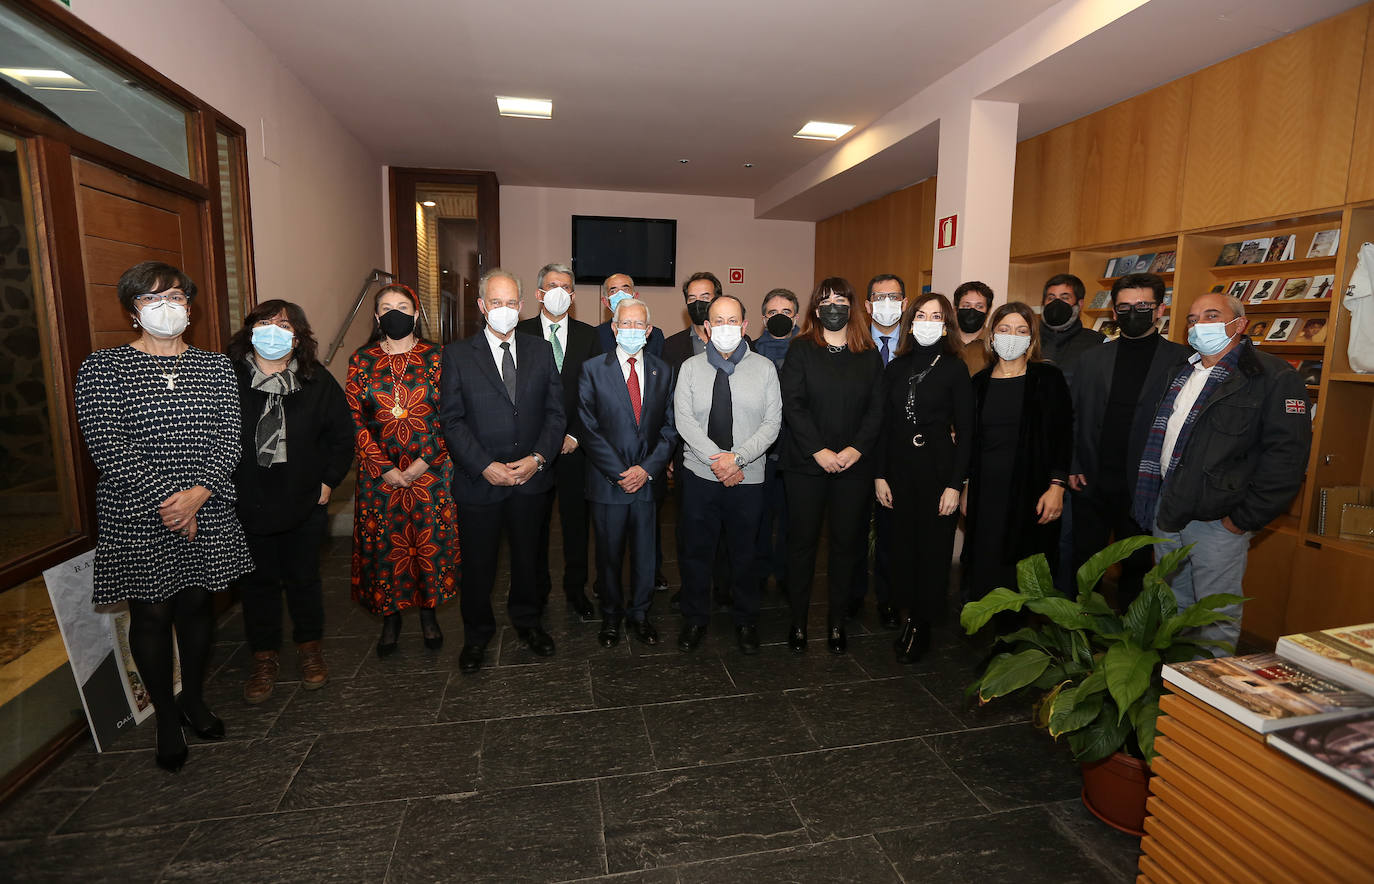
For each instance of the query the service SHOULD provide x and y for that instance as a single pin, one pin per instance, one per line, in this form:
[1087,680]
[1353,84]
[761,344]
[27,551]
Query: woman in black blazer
[922,461]
[1022,450]
[297,438]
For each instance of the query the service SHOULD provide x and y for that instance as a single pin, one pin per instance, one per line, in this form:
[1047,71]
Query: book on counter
[1344,654]
[1324,243]
[1230,254]
[1265,692]
[1342,750]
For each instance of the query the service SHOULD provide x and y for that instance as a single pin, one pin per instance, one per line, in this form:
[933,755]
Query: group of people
[878,417]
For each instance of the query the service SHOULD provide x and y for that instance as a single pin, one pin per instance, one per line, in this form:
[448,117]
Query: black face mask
[1135,324]
[697,310]
[1057,314]
[396,325]
[779,325]
[970,319]
[833,316]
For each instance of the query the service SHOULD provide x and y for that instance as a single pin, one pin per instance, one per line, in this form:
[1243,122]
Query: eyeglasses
[147,300]
[895,297]
[630,323]
[1126,309]
[620,290]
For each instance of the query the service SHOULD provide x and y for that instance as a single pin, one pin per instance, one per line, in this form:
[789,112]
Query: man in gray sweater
[729,411]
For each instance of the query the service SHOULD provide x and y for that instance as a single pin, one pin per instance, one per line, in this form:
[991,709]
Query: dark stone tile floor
[631,765]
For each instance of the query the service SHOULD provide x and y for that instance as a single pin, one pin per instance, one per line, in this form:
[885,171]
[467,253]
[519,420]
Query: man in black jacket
[616,288]
[698,291]
[1224,456]
[501,407]
[1114,396]
[1064,339]
[572,343]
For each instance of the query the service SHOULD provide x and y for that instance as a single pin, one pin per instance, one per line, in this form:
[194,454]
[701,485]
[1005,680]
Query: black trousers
[570,490]
[480,526]
[928,537]
[708,509]
[1100,518]
[810,499]
[287,563]
[770,554]
[619,525]
[882,555]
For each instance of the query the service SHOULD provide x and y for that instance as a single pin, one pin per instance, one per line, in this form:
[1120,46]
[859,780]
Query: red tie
[633,383]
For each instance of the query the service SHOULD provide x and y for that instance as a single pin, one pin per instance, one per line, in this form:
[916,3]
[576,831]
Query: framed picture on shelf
[1252,251]
[1282,329]
[1324,243]
[1257,330]
[1230,254]
[1295,288]
[1264,290]
[1281,248]
[1321,286]
[1238,288]
[1313,331]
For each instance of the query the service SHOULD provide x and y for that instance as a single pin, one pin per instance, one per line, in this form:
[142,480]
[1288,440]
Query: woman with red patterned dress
[405,536]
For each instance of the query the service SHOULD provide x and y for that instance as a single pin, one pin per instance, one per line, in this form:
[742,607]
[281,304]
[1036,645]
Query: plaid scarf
[1150,477]
[270,435]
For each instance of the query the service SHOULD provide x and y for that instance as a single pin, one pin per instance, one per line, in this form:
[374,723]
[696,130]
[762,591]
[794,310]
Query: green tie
[557,347]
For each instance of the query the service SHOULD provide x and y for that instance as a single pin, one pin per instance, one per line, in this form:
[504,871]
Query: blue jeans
[1217,564]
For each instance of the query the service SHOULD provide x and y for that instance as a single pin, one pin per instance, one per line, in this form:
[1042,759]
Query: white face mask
[887,313]
[557,301]
[163,319]
[726,338]
[502,319]
[927,331]
[1010,347]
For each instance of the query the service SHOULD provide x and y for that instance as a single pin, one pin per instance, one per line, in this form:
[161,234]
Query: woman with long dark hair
[405,535]
[1022,449]
[831,405]
[297,443]
[922,461]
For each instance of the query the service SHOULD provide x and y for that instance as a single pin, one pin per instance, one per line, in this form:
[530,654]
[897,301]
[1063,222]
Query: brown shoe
[263,677]
[314,674]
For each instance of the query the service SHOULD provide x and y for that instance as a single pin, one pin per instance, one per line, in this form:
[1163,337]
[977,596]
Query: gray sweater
[756,405]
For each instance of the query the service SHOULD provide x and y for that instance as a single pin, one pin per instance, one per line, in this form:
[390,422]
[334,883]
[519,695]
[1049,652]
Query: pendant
[171,380]
[397,412]
[919,440]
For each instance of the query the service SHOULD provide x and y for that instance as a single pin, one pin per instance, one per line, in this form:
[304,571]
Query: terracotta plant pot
[1115,790]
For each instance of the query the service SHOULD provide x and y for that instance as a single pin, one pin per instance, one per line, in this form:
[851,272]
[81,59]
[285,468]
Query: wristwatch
[540,458]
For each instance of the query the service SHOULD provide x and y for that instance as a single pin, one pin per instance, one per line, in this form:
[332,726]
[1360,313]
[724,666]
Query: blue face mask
[272,342]
[616,299]
[631,340]
[1209,338]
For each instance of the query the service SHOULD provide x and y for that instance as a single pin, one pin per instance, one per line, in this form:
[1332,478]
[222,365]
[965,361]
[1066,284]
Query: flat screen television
[645,248]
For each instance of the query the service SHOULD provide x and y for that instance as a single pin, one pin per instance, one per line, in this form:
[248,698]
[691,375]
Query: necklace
[918,440]
[171,375]
[834,349]
[392,359]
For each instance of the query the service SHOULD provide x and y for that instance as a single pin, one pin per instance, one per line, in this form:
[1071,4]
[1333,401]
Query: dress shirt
[625,366]
[563,322]
[1183,404]
[496,352]
[892,337]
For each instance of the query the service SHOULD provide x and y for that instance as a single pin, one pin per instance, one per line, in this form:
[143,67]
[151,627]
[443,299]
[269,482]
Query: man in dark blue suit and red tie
[625,404]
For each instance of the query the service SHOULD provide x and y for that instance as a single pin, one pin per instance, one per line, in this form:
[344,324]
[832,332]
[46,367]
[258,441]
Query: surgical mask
[927,331]
[502,319]
[1135,324]
[697,311]
[779,325]
[631,340]
[272,342]
[833,316]
[163,319]
[1209,338]
[557,301]
[970,319]
[887,313]
[395,324]
[1058,314]
[1010,347]
[614,300]
[726,338]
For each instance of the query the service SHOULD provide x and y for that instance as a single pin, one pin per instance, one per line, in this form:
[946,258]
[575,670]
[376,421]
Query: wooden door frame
[401,183]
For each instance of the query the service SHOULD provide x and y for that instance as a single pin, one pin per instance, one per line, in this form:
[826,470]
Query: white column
[976,173]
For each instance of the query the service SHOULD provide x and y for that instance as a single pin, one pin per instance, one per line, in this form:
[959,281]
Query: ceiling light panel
[818,131]
[529,108]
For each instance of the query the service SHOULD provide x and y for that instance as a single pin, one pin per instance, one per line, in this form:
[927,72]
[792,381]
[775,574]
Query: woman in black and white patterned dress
[161,421]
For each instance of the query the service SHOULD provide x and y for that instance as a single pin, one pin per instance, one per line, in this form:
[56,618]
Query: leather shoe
[796,640]
[578,601]
[429,629]
[747,637]
[470,658]
[689,638]
[912,643]
[174,759]
[644,631]
[660,583]
[391,632]
[214,726]
[838,642]
[887,616]
[536,639]
[609,636]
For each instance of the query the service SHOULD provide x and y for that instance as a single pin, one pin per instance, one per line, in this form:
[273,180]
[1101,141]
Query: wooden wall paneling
[1344,426]
[1361,184]
[1270,131]
[926,232]
[1330,587]
[892,234]
[1267,583]
[1046,193]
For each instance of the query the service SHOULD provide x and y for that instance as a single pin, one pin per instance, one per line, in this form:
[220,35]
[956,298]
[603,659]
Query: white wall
[316,209]
[713,233]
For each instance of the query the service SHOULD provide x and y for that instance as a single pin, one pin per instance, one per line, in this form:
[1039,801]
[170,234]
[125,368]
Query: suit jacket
[481,423]
[583,344]
[606,337]
[612,440]
[677,349]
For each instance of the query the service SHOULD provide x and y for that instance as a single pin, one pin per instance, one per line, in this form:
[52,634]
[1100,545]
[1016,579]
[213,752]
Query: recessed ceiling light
[529,108]
[748,165]
[46,78]
[817,131]
[684,161]
[429,204]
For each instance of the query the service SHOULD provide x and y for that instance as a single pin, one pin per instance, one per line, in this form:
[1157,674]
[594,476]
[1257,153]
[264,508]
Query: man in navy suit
[572,343]
[616,288]
[625,404]
[502,411]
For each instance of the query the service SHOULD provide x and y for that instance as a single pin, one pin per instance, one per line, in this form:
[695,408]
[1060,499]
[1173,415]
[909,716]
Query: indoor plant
[1095,675]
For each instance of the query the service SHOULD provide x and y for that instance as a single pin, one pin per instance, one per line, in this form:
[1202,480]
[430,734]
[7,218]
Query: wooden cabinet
[1361,186]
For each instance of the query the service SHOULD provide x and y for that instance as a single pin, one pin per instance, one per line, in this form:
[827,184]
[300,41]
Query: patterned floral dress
[405,540]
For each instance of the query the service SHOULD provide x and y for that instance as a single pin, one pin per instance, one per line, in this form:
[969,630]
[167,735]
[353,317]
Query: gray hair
[781,293]
[1237,308]
[626,275]
[498,273]
[552,268]
[634,302]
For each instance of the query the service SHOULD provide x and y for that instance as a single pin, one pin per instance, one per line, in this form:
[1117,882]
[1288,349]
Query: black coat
[830,401]
[583,344]
[1065,348]
[943,402]
[319,450]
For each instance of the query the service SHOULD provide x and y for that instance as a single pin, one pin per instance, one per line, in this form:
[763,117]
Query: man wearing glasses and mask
[620,287]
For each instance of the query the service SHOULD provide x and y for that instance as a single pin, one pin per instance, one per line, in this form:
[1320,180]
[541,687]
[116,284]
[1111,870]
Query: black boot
[429,629]
[391,631]
[912,643]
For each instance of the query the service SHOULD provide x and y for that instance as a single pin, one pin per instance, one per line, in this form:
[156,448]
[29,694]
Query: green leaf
[1073,710]
[1141,619]
[1010,672]
[1143,719]
[1093,684]
[1052,676]
[1096,603]
[977,613]
[1033,577]
[1066,613]
[1201,613]
[1093,569]
[1104,735]
[1024,634]
[1129,670]
[1169,563]
[1045,705]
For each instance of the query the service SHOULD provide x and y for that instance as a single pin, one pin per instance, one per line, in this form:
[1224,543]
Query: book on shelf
[1143,263]
[1264,290]
[1125,264]
[1169,296]
[1111,269]
[1313,331]
[1238,288]
[1265,692]
[1321,286]
[1107,325]
[1101,300]
[1329,503]
[1344,654]
[1281,248]
[1257,330]
[1163,326]
[1230,254]
[1324,243]
[1252,251]
[1342,750]
[1283,328]
[1357,523]
[1297,287]
[1310,370]
[1163,262]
